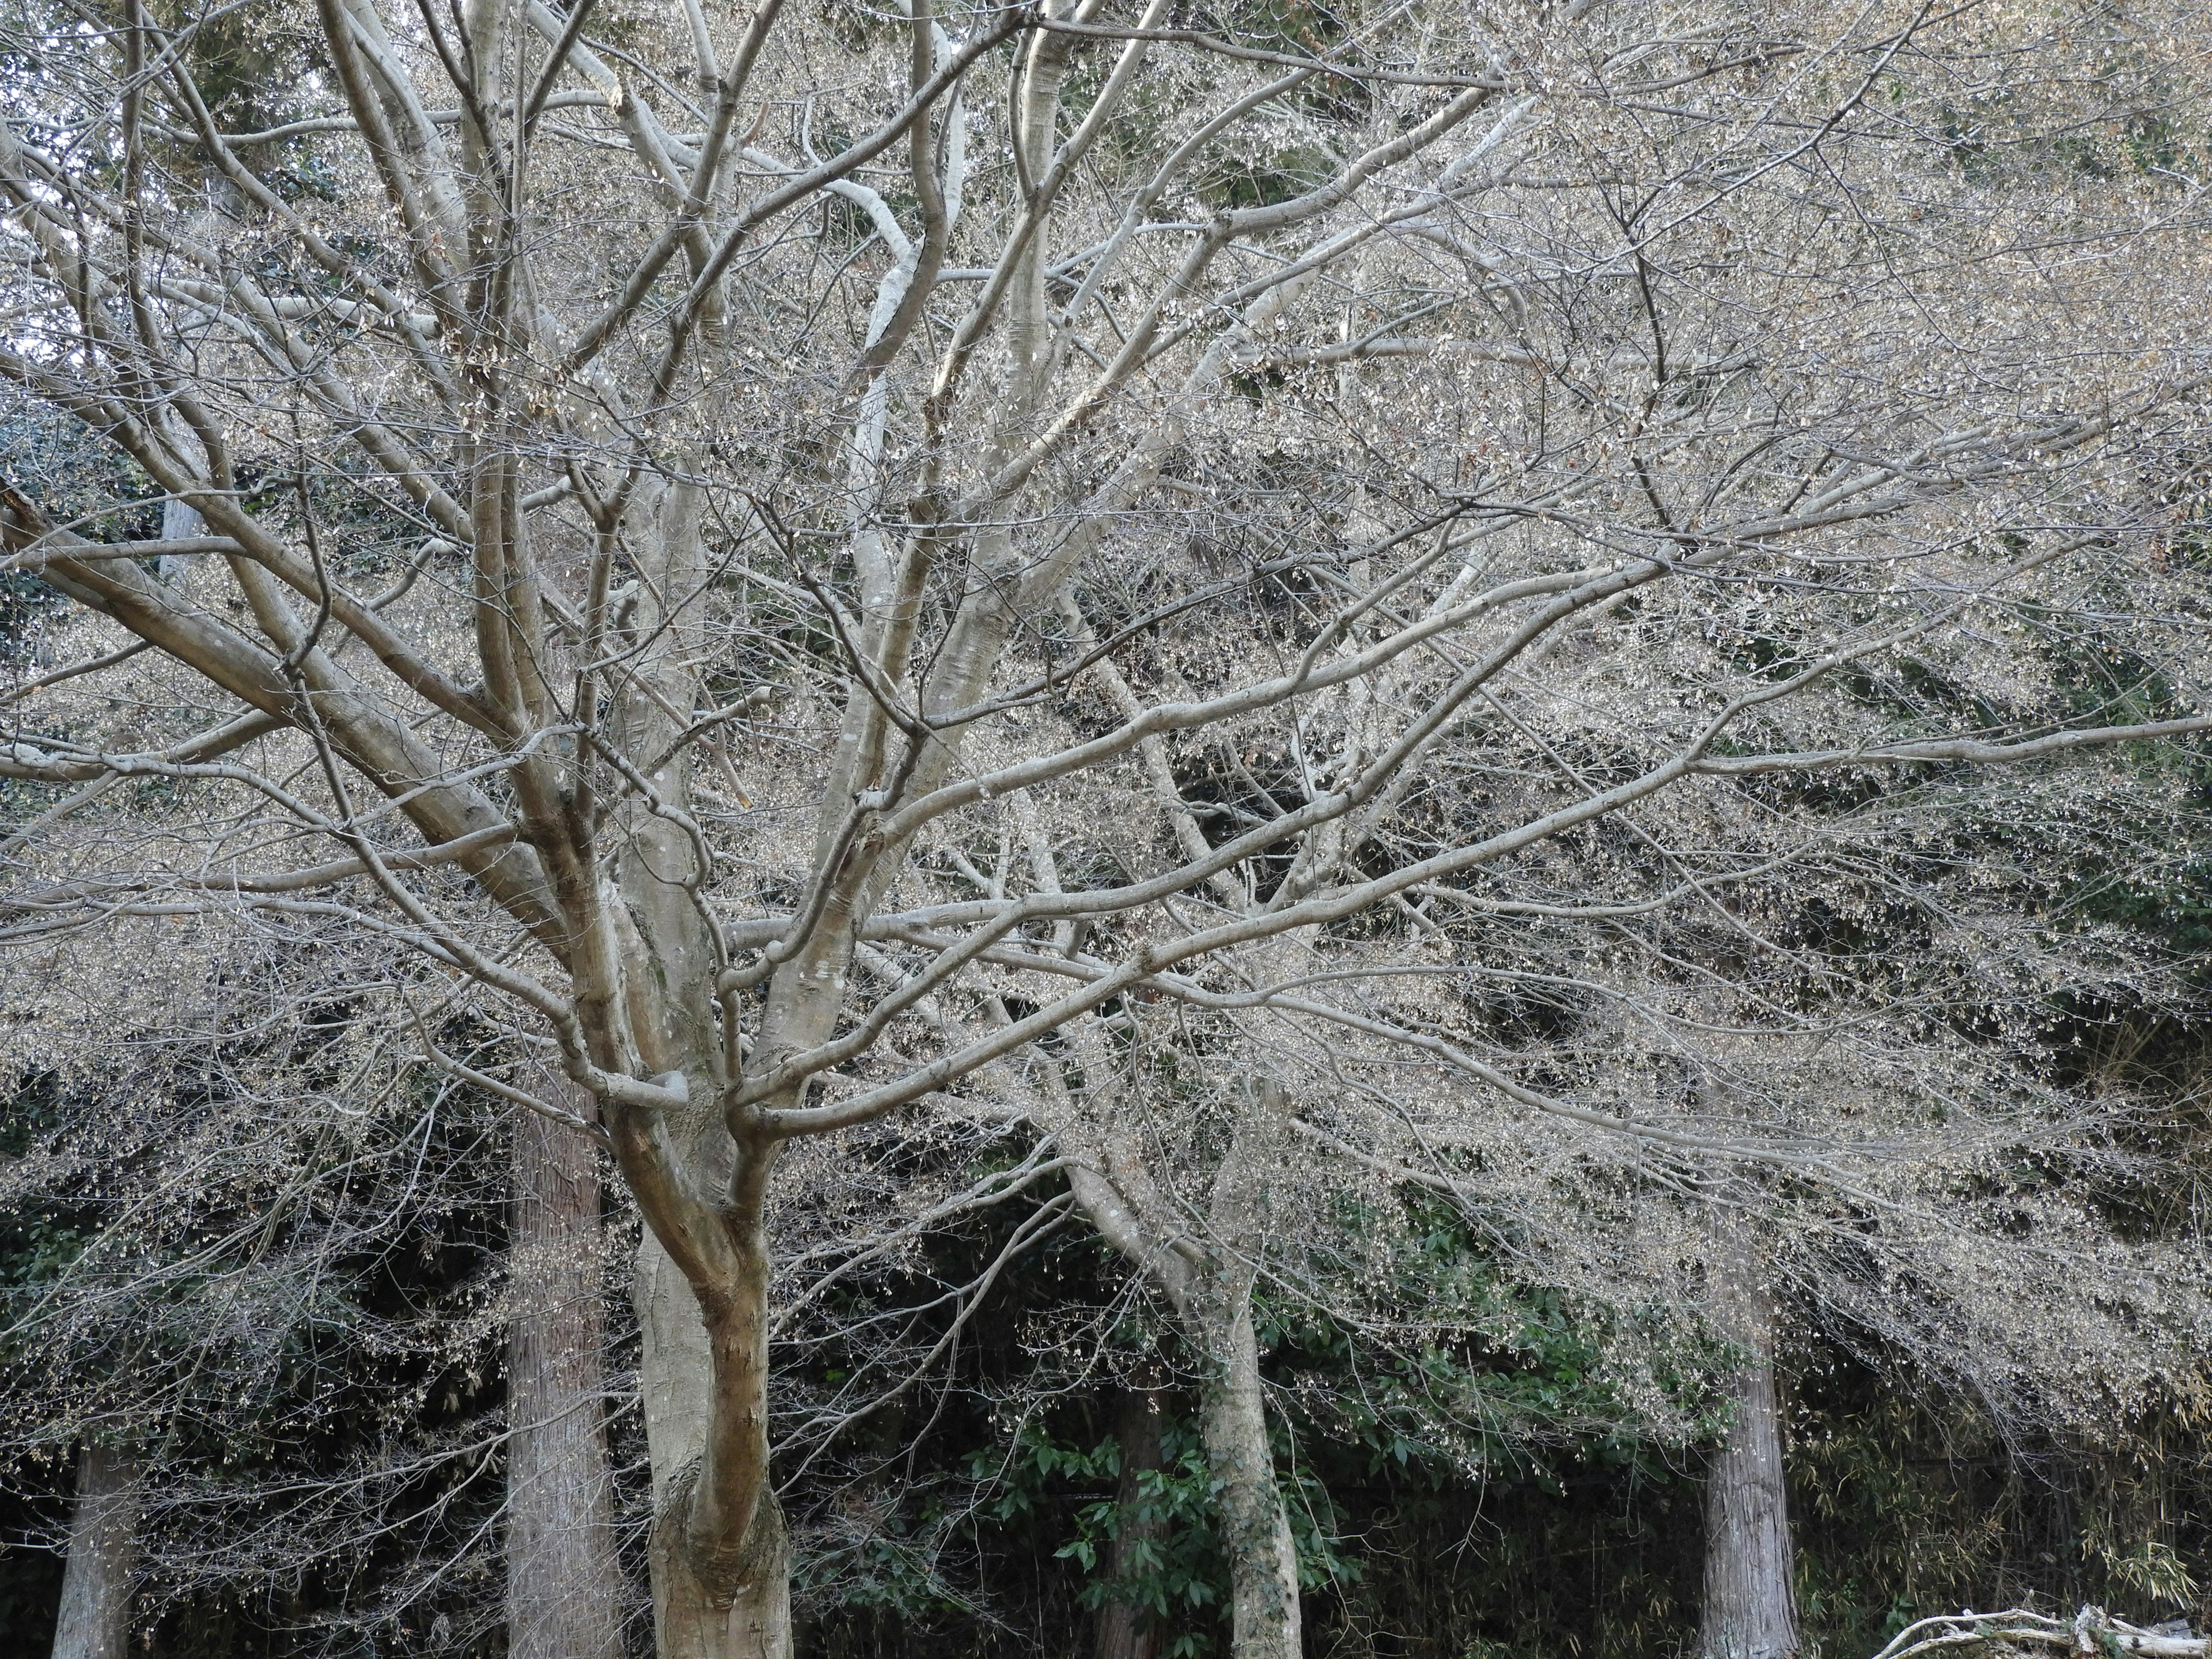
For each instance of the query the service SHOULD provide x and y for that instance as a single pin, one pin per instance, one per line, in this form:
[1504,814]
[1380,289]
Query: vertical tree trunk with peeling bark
[103,1556]
[690,1619]
[564,1584]
[1751,1598]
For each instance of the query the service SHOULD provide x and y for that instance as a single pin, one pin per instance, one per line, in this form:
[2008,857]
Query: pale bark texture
[564,1587]
[1263,1565]
[690,1620]
[1751,1598]
[103,1555]
[178,523]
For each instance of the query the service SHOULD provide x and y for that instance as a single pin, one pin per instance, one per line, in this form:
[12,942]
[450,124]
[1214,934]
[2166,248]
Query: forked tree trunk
[689,1623]
[564,1585]
[1256,1526]
[1126,1630]
[1751,1598]
[719,1556]
[103,1556]
[677,1381]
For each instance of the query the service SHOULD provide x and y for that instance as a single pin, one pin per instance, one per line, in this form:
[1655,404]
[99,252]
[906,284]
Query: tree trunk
[1751,1599]
[677,1381]
[719,1557]
[103,1553]
[689,1623]
[564,1584]
[179,522]
[1126,1630]
[1211,1295]
[1255,1527]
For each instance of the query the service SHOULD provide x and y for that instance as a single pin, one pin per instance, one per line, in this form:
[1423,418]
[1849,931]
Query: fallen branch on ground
[2092,1632]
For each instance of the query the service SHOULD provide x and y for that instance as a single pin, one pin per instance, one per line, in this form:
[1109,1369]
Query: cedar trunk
[103,1554]
[564,1584]
[1751,1600]
[1126,1629]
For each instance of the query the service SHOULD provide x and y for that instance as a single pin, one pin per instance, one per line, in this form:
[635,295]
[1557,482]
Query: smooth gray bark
[564,1584]
[103,1555]
[1263,1564]
[1751,1599]
[179,522]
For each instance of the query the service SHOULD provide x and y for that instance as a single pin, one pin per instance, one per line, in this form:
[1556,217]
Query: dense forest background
[1518,1509]
[1906,1504]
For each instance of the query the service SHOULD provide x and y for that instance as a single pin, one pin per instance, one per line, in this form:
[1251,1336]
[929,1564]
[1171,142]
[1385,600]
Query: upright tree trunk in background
[1255,1527]
[1751,1598]
[1209,1284]
[103,1554]
[1126,1630]
[564,1585]
[179,522]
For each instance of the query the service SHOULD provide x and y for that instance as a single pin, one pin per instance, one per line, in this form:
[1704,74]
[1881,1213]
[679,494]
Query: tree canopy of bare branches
[814,565]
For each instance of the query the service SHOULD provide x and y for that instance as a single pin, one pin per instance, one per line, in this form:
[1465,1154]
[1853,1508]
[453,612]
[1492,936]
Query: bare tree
[663,578]
[228,1104]
[251,1282]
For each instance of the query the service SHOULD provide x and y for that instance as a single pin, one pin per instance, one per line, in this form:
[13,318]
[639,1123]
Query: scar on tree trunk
[1751,1599]
[103,1556]
[564,1584]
